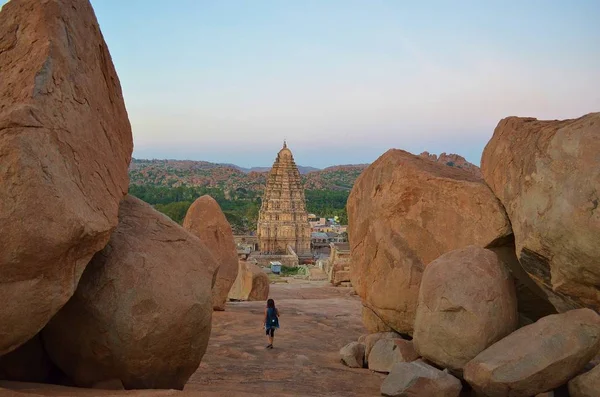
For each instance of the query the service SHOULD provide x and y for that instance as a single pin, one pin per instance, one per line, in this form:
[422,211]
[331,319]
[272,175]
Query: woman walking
[271,321]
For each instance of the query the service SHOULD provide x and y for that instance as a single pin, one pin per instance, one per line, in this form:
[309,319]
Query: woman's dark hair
[271,304]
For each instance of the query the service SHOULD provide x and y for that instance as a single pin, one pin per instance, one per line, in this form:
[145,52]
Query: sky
[342,80]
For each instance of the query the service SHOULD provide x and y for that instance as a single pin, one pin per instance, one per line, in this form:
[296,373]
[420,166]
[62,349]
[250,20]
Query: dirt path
[316,320]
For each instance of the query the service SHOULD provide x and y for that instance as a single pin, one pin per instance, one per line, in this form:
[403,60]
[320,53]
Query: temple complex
[283,220]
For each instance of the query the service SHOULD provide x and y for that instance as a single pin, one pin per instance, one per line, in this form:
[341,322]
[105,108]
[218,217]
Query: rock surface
[405,211]
[547,175]
[586,385]
[371,339]
[251,283]
[419,379]
[353,355]
[467,302]
[388,352]
[538,357]
[453,160]
[65,146]
[205,220]
[142,311]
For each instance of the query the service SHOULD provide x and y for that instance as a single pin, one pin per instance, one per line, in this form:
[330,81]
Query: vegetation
[240,206]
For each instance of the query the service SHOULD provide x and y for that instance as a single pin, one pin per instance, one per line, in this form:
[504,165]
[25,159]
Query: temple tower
[283,219]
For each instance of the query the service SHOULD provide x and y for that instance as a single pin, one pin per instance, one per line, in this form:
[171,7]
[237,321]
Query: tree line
[240,206]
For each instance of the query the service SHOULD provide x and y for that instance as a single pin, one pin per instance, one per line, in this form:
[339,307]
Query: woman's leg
[271,336]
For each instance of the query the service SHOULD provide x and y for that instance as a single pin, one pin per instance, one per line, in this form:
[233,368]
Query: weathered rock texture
[142,311]
[353,355]
[453,160]
[283,220]
[467,302]
[538,357]
[419,379]
[586,385]
[251,284]
[65,145]
[404,212]
[371,339]
[547,175]
[206,221]
[388,352]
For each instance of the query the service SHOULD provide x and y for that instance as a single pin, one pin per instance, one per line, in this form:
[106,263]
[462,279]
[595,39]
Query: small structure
[338,265]
[319,240]
[276,267]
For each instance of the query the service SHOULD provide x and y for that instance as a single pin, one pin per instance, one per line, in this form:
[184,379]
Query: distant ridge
[174,173]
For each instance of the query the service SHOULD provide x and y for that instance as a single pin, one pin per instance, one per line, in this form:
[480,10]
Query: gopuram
[283,220]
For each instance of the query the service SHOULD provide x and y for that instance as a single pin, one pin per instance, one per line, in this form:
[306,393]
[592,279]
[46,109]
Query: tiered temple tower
[283,219]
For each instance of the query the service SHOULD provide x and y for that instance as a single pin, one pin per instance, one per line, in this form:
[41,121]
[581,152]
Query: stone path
[316,320]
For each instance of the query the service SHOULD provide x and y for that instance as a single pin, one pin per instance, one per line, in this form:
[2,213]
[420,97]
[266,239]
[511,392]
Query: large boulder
[467,302]
[251,283]
[205,220]
[538,357]
[547,175]
[419,379]
[142,311]
[388,352]
[587,384]
[65,146]
[404,212]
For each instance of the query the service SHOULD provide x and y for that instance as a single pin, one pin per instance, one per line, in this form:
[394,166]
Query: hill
[229,177]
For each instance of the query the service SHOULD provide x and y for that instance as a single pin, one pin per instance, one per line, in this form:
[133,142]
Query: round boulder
[405,211]
[142,311]
[467,302]
[205,220]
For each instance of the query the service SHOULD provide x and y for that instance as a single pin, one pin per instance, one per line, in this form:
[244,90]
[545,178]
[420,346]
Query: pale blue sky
[344,81]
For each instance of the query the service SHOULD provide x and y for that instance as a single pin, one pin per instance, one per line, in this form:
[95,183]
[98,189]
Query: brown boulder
[547,175]
[251,283]
[205,220]
[419,379]
[142,311]
[388,352]
[467,302]
[405,211]
[65,146]
[453,160]
[538,357]
[586,385]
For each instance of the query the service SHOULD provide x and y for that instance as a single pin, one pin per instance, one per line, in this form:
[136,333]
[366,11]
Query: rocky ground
[316,319]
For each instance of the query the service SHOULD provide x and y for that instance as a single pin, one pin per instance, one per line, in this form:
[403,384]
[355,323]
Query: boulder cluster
[495,280]
[97,287]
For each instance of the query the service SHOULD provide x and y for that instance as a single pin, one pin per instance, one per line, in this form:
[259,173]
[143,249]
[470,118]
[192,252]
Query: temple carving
[283,220]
